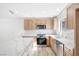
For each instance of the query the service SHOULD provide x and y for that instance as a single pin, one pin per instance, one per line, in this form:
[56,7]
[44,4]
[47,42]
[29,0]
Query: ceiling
[31,9]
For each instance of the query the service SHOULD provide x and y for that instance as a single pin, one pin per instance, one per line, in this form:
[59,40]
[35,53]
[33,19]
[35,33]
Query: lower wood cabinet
[52,43]
[47,39]
[68,52]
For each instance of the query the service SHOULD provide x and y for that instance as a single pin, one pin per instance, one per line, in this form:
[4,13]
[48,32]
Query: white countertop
[66,42]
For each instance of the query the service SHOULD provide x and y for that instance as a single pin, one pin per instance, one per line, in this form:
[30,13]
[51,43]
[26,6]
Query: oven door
[41,41]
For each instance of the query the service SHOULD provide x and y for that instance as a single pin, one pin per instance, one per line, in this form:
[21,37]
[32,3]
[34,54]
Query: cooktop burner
[40,35]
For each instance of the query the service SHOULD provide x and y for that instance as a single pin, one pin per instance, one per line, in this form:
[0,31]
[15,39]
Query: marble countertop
[66,42]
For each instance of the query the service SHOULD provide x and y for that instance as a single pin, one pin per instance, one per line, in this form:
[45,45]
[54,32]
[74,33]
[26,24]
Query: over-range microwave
[41,27]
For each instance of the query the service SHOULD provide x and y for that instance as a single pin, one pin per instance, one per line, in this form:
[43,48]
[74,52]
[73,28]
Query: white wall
[10,29]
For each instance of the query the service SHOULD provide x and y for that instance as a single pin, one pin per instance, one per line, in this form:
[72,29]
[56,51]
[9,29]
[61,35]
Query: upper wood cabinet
[26,24]
[71,17]
[49,24]
[30,24]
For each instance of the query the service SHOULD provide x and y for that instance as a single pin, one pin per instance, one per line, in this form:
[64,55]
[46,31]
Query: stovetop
[40,35]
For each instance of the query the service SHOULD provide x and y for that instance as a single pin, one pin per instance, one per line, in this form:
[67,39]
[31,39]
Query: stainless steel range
[41,39]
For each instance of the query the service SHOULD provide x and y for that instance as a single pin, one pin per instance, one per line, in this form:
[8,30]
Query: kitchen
[50,34]
[42,31]
[53,31]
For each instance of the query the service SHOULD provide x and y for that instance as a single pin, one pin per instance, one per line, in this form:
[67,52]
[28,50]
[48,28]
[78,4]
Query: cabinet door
[28,24]
[34,24]
[49,24]
[47,41]
[71,17]
[53,44]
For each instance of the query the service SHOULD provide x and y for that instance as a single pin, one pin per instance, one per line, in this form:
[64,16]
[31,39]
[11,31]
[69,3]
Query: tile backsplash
[35,32]
[69,34]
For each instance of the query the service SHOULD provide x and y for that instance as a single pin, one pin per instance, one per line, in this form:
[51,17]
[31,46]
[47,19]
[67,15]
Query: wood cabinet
[47,41]
[52,42]
[30,24]
[50,24]
[71,17]
[68,52]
